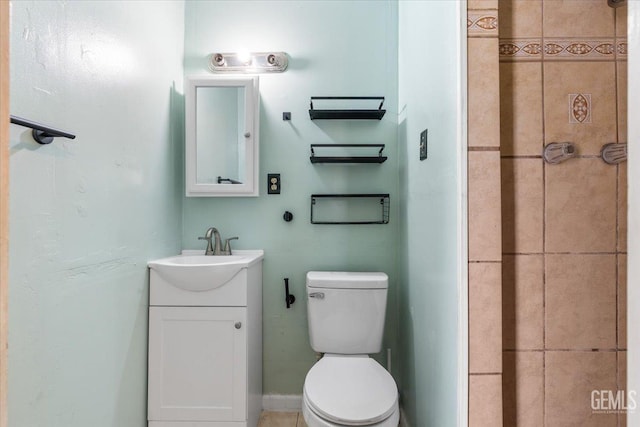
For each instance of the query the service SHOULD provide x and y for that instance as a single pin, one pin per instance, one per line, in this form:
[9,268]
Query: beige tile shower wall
[485,217]
[562,79]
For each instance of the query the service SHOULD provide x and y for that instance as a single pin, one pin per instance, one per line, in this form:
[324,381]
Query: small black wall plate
[423,144]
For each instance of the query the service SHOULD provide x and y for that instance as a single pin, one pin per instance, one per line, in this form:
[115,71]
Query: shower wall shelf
[349,114]
[379,158]
[349,208]
[41,134]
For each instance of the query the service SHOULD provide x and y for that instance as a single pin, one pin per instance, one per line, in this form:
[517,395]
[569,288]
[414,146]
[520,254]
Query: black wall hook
[288,298]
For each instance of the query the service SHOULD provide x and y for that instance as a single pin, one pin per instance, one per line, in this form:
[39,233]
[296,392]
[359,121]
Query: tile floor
[281,419]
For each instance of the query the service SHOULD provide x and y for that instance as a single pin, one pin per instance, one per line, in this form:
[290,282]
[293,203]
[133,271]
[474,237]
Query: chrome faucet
[212,248]
[215,247]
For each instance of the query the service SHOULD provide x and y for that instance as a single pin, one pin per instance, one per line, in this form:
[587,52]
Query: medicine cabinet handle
[238,325]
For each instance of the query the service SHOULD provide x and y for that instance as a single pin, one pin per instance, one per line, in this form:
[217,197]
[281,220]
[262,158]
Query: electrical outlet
[423,144]
[273,181]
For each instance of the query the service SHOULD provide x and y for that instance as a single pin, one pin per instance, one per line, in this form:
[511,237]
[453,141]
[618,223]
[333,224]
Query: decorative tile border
[579,108]
[621,48]
[482,23]
[563,49]
[592,50]
[522,49]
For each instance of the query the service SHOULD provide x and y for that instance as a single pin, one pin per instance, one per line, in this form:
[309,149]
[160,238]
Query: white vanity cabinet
[205,352]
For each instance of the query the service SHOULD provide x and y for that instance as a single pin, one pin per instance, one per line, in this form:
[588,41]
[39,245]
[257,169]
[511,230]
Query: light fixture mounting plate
[255,62]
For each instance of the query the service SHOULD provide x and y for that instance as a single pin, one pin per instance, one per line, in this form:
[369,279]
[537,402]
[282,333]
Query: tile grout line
[544,234]
[559,253]
[618,419]
[583,350]
[617,279]
[617,114]
[482,148]
[536,156]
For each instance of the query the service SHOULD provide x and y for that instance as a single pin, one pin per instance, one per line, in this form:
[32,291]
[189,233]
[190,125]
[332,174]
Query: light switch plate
[423,144]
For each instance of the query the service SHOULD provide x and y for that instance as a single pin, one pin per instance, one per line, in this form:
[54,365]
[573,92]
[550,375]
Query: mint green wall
[428,300]
[87,214]
[335,48]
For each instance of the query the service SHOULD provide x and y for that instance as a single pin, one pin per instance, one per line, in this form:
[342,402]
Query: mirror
[221,136]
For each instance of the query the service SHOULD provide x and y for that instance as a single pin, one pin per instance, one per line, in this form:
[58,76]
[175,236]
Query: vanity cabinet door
[197,363]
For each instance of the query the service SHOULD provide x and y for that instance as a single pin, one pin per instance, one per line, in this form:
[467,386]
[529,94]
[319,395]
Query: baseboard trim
[282,402]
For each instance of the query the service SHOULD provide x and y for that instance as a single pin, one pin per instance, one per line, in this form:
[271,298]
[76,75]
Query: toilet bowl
[349,390]
[346,313]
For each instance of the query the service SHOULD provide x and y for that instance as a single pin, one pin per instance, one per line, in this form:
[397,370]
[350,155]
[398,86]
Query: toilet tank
[346,311]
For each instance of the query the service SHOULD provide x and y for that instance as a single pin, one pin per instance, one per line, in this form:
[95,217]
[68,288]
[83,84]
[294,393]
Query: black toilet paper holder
[288,297]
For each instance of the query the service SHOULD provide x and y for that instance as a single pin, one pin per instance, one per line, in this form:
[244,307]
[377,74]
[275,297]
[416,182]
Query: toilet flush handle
[319,295]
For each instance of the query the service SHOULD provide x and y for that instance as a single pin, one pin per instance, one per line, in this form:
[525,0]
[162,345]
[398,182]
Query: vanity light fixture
[255,62]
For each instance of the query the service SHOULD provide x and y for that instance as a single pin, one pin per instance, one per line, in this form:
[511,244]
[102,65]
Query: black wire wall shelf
[379,158]
[349,114]
[350,208]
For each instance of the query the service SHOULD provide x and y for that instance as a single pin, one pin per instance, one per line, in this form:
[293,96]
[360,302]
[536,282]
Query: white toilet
[346,314]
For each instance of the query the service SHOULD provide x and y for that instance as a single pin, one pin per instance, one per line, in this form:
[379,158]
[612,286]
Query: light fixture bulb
[218,58]
[244,57]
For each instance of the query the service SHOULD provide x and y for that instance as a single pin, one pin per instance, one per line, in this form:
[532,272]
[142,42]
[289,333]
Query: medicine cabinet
[221,121]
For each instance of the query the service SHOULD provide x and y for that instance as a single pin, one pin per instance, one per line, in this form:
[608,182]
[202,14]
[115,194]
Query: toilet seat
[314,420]
[350,390]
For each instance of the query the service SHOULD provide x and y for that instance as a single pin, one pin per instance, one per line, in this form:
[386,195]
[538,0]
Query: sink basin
[193,271]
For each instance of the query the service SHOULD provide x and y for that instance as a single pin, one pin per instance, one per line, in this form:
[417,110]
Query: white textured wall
[87,214]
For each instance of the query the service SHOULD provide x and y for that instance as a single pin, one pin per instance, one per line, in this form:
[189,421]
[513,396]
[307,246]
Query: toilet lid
[350,390]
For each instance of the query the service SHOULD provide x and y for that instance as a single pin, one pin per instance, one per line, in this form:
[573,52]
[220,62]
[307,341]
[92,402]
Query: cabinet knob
[238,325]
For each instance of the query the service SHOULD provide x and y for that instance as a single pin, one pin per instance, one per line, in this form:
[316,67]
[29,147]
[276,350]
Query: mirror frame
[249,188]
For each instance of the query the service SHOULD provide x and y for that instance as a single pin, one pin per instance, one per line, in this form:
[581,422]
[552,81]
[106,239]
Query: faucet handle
[227,245]
[209,250]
